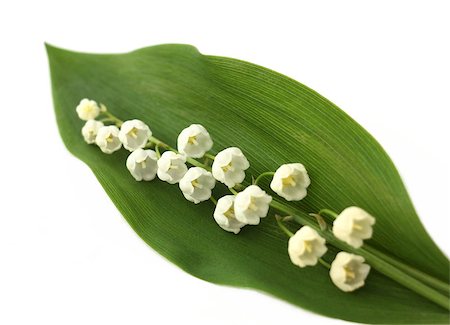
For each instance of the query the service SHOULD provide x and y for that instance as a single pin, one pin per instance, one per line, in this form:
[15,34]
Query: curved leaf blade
[274,120]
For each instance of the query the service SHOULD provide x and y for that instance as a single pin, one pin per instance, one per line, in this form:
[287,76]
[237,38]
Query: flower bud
[88,109]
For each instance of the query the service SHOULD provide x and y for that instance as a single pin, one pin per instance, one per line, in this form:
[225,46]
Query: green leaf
[274,120]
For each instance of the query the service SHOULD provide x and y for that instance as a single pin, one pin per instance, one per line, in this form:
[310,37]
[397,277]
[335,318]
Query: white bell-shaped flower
[108,139]
[88,109]
[348,271]
[224,215]
[353,225]
[90,130]
[290,181]
[134,134]
[194,141]
[306,247]
[142,164]
[229,166]
[251,205]
[171,167]
[197,184]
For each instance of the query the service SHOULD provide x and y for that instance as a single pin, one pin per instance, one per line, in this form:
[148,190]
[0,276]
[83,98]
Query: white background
[68,257]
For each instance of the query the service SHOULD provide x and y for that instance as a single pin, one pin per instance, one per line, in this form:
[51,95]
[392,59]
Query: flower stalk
[261,176]
[322,261]
[110,117]
[282,226]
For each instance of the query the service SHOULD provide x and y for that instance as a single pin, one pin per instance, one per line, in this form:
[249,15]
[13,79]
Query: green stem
[212,157]
[328,212]
[190,160]
[239,187]
[422,276]
[195,163]
[107,119]
[112,118]
[283,227]
[232,190]
[376,262]
[158,154]
[213,199]
[261,176]
[322,261]
[161,144]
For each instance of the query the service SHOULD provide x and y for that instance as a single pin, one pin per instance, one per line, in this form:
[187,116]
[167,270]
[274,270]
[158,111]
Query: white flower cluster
[228,167]
[247,207]
[196,183]
[132,134]
[348,271]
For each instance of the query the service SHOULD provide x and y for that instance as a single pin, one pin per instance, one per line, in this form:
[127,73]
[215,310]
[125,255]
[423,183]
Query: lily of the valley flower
[224,214]
[251,205]
[134,134]
[290,181]
[171,167]
[229,166]
[90,129]
[197,184]
[194,141]
[306,247]
[348,271]
[87,109]
[142,164]
[108,139]
[353,225]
